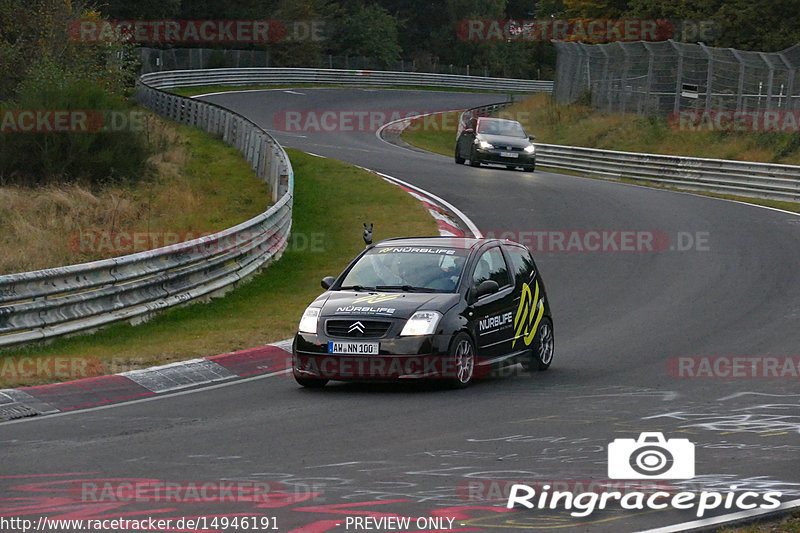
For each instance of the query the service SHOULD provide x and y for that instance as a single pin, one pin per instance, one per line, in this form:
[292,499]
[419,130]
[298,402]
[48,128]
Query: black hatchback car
[427,308]
[496,140]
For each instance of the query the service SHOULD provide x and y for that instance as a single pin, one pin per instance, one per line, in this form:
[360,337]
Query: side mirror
[488,286]
[327,282]
[531,138]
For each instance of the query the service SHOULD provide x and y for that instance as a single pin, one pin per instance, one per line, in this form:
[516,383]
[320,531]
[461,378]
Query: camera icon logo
[651,457]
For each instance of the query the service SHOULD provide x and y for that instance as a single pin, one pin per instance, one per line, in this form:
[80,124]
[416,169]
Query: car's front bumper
[418,357]
[495,155]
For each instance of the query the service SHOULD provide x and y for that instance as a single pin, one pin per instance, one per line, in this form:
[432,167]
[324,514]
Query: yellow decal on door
[529,314]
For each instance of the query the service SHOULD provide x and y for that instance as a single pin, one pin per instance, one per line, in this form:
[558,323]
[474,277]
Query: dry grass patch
[195,184]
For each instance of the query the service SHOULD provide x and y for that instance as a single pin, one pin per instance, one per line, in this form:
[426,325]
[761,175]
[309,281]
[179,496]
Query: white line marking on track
[707,522]
[237,91]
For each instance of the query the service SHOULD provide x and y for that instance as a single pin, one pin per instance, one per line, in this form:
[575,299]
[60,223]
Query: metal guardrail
[372,78]
[742,178]
[58,301]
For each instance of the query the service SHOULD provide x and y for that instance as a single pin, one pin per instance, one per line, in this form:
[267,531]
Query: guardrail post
[710,77]
[676,107]
[606,78]
[740,91]
[790,75]
[770,79]
[651,56]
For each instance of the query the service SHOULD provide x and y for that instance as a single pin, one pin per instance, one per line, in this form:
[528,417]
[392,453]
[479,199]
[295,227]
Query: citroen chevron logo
[356,326]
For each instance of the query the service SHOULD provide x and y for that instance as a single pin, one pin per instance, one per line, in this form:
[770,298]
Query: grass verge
[435,134]
[789,524]
[326,235]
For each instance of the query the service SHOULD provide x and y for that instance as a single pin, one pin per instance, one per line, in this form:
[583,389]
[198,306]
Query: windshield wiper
[357,288]
[406,288]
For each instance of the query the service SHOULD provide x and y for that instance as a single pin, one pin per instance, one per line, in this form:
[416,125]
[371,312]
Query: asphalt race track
[722,281]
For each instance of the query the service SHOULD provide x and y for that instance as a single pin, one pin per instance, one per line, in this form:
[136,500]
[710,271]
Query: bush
[93,158]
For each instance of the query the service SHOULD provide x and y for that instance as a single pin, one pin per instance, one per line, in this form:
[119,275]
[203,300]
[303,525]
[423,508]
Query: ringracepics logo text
[649,457]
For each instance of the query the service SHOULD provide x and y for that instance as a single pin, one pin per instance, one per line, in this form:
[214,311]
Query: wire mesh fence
[649,78]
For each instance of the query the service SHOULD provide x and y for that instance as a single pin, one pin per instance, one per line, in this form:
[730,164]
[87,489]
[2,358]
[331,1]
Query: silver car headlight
[530,149]
[483,144]
[308,323]
[421,323]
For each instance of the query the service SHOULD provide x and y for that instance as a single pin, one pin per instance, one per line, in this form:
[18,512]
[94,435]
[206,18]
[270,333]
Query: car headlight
[308,324]
[530,149]
[483,144]
[421,323]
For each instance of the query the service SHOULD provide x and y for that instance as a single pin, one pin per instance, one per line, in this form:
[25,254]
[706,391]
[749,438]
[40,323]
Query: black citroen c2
[427,308]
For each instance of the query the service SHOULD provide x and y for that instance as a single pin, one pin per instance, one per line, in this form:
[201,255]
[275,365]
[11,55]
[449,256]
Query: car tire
[542,348]
[459,160]
[463,352]
[310,383]
[473,158]
[530,169]
[511,167]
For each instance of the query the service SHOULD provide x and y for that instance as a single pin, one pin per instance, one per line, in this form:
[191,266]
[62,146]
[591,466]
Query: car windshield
[508,128]
[408,268]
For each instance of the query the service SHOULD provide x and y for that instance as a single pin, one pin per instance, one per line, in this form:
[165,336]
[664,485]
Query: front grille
[354,328]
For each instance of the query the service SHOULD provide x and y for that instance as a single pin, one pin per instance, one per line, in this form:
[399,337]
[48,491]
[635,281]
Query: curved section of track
[620,317]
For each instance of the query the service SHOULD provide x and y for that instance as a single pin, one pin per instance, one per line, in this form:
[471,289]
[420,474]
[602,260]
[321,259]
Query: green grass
[268,307]
[223,181]
[435,134]
[787,525]
[582,125]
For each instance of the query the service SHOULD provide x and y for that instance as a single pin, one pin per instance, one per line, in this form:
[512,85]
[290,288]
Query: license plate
[509,154]
[353,348]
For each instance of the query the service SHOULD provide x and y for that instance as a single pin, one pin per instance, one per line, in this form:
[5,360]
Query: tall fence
[650,78]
